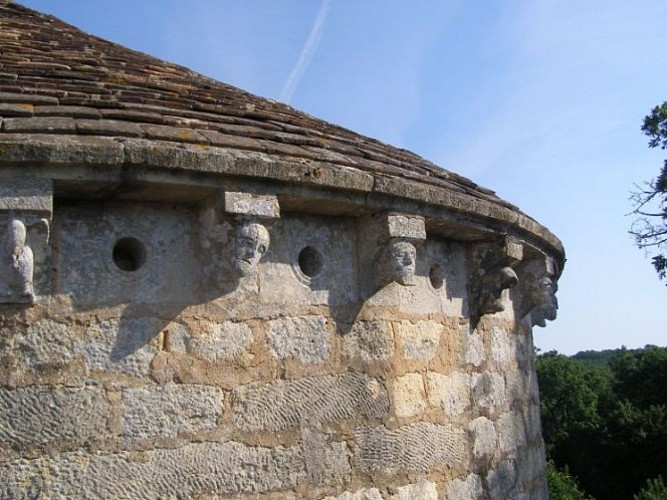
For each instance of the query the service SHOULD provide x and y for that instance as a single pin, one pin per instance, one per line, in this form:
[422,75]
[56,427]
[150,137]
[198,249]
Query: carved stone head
[250,243]
[543,296]
[499,280]
[402,261]
[16,234]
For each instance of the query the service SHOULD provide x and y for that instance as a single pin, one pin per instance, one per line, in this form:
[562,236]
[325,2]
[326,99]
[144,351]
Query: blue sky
[540,100]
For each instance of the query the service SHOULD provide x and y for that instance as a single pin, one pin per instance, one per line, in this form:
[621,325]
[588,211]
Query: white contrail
[306,53]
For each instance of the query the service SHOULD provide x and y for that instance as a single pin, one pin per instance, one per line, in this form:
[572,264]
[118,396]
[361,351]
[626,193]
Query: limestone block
[511,432]
[311,261]
[502,481]
[531,466]
[259,205]
[44,342]
[420,339]
[28,194]
[472,346]
[223,341]
[488,390]
[281,405]
[326,462]
[122,345]
[306,339]
[469,489]
[45,414]
[170,410]
[370,341]
[363,494]
[406,226]
[192,471]
[112,253]
[451,393]
[422,490]
[416,447]
[484,437]
[501,347]
[409,395]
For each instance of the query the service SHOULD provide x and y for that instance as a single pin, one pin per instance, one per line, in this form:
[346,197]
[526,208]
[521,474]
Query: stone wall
[223,349]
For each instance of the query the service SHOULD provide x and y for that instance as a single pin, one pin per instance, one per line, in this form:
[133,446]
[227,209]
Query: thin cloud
[306,53]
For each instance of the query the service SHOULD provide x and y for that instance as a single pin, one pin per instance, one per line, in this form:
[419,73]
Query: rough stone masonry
[207,294]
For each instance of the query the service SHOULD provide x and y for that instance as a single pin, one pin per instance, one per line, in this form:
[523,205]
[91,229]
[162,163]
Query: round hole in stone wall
[310,262]
[436,276]
[129,254]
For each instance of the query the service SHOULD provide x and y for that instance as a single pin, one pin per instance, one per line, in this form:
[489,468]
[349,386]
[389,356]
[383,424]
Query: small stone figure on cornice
[251,242]
[19,258]
[403,261]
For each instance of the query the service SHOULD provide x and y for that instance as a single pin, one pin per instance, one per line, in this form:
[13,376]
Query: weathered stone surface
[123,345]
[488,389]
[44,342]
[306,339]
[451,392]
[281,405]
[44,414]
[502,481]
[420,339]
[310,262]
[484,437]
[422,490]
[416,447]
[472,347]
[96,243]
[223,341]
[369,340]
[50,124]
[511,432]
[259,205]
[27,194]
[406,226]
[192,471]
[501,347]
[363,494]
[170,410]
[409,395]
[469,489]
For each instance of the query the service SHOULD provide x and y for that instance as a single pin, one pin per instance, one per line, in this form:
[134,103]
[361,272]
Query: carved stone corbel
[251,237]
[26,208]
[537,297]
[235,238]
[388,249]
[495,263]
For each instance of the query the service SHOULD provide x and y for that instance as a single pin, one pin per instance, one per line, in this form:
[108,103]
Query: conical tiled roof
[57,80]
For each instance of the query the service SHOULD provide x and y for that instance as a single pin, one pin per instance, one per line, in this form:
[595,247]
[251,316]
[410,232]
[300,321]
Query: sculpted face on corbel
[251,241]
[19,262]
[402,261]
[539,286]
[495,268]
[543,296]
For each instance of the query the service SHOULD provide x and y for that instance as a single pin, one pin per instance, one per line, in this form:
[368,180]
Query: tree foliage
[563,486]
[655,489]
[649,228]
[606,423]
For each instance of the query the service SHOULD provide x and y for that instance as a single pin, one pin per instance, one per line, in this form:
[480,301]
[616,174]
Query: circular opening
[436,276]
[310,262]
[129,254]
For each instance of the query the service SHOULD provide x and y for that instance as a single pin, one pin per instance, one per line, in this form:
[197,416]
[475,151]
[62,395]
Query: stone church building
[207,294]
